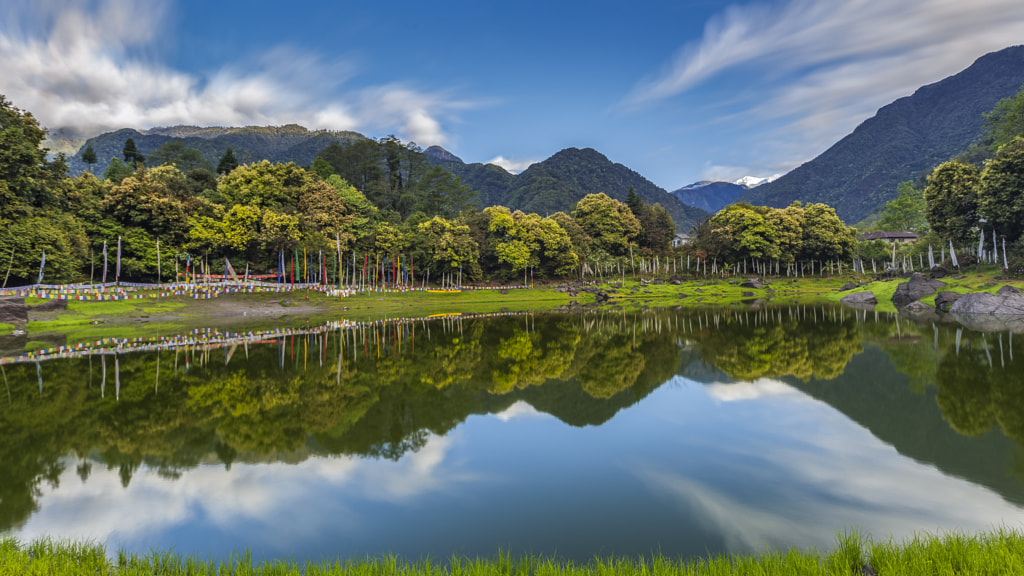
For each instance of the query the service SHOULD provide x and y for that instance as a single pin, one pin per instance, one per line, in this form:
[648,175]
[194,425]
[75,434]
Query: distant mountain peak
[442,155]
[755,181]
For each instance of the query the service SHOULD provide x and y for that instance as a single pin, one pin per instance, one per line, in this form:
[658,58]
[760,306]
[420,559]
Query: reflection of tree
[788,348]
[373,392]
[975,391]
[531,358]
[965,395]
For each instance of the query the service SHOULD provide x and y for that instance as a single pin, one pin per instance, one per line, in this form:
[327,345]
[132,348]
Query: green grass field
[997,552]
[151,317]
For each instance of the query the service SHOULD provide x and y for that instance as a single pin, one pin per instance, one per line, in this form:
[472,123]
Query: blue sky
[678,91]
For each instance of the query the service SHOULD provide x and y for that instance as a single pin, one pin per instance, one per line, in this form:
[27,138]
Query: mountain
[556,184]
[290,143]
[755,181]
[710,196]
[904,140]
[489,180]
[441,155]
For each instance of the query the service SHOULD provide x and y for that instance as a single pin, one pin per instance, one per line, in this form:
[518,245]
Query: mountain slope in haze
[708,195]
[903,140]
[291,143]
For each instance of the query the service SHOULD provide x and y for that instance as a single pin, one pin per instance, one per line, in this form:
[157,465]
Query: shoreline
[83,319]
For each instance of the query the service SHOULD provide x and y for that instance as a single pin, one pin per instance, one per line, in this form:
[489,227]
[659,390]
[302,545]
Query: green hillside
[291,143]
[903,141]
[556,184]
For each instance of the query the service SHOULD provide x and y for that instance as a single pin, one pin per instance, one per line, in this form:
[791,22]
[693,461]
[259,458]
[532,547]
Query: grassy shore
[996,552]
[83,321]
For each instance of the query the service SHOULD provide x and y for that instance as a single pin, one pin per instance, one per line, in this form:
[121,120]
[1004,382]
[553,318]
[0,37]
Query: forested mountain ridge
[289,143]
[556,184]
[904,140]
[490,181]
[709,196]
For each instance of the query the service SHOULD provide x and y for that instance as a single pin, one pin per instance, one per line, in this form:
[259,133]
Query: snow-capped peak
[755,181]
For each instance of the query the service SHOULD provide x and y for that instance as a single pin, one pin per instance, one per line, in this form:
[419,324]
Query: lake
[630,432]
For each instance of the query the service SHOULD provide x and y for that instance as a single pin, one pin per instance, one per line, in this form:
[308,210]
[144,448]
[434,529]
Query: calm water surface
[578,435]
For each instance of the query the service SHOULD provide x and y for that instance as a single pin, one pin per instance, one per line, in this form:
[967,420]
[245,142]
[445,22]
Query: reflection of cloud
[760,388]
[100,508]
[87,69]
[815,473]
[521,409]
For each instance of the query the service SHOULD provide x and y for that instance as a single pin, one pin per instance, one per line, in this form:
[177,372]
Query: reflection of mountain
[381,390]
[876,396]
[373,392]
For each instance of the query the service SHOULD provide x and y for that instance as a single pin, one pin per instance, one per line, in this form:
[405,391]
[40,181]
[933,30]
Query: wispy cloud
[815,69]
[513,166]
[89,65]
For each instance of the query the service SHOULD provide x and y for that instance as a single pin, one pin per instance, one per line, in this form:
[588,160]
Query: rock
[752,283]
[675,280]
[917,306]
[944,300]
[657,282]
[985,303]
[991,322]
[733,282]
[746,294]
[847,286]
[682,295]
[860,299]
[13,311]
[1009,290]
[916,288]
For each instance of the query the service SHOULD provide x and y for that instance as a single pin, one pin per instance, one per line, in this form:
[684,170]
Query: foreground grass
[997,552]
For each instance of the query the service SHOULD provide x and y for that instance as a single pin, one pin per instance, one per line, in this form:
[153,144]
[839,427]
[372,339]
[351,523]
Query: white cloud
[758,389]
[513,166]
[84,65]
[258,494]
[520,409]
[823,67]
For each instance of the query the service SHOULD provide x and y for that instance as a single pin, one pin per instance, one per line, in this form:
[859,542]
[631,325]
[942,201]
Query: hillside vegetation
[903,141]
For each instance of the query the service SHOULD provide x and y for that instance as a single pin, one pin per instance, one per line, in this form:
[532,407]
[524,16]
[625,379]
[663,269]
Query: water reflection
[770,418]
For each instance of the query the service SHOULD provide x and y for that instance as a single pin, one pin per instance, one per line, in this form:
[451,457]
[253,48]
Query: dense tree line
[370,198]
[785,236]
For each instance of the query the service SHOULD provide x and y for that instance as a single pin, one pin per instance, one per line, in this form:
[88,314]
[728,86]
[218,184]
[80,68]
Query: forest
[362,201]
[369,199]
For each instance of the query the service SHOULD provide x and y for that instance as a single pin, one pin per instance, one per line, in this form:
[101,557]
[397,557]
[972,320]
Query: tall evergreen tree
[89,156]
[227,163]
[131,153]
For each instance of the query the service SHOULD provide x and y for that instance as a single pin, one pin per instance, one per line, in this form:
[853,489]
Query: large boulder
[752,283]
[860,299]
[985,303]
[919,286]
[944,300]
[1009,290]
[13,311]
